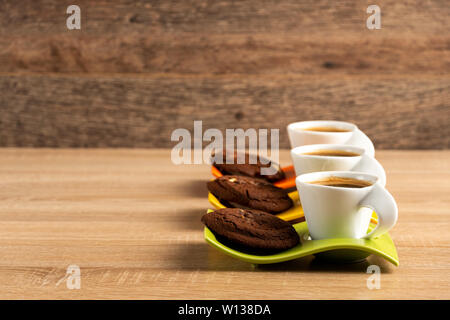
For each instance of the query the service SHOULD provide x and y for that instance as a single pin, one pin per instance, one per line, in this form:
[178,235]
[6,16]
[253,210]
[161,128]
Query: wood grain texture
[67,111]
[139,69]
[227,54]
[222,17]
[226,37]
[131,221]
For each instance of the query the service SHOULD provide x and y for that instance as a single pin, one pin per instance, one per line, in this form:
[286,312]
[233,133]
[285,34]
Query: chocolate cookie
[251,229]
[252,193]
[247,169]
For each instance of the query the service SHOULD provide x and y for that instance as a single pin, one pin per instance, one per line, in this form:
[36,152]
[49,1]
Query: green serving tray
[341,250]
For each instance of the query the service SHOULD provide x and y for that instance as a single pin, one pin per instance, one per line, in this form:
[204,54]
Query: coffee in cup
[331,157]
[342,182]
[332,153]
[328,132]
[326,129]
[336,204]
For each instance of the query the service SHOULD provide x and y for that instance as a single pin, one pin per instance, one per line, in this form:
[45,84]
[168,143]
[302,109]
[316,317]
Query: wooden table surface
[130,220]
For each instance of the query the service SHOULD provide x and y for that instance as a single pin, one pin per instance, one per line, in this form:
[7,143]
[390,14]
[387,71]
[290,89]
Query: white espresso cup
[302,133]
[335,212]
[361,161]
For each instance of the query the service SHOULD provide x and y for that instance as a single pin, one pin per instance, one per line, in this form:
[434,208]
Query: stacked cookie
[249,222]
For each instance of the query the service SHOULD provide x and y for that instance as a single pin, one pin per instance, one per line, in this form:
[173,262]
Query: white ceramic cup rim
[306,178]
[350,127]
[301,150]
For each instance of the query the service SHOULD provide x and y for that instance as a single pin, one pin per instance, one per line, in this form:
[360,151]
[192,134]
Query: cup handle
[382,202]
[371,165]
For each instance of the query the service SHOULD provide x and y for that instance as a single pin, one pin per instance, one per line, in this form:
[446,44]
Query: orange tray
[286,183]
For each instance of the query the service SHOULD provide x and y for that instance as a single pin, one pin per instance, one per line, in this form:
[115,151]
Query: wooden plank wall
[139,69]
